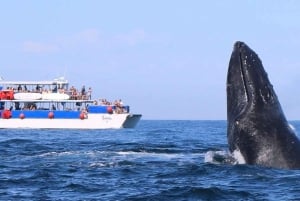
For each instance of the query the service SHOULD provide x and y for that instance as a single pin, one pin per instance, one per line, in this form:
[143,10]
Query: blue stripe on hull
[42,114]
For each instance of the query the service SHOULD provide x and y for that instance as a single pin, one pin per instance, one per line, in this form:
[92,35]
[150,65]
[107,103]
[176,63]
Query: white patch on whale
[238,157]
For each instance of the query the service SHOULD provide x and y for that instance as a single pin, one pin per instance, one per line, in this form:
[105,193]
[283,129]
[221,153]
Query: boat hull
[93,121]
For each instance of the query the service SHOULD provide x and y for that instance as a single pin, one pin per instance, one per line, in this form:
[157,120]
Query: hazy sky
[167,59]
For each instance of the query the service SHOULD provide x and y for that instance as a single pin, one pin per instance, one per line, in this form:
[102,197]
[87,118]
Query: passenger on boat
[73,93]
[55,89]
[17,105]
[119,106]
[32,106]
[20,88]
[89,93]
[53,107]
[83,90]
[72,89]
[83,94]
[38,88]
[104,102]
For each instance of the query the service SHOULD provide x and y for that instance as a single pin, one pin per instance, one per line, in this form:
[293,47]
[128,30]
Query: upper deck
[55,85]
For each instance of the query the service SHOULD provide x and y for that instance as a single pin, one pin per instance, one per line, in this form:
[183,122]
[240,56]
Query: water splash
[223,157]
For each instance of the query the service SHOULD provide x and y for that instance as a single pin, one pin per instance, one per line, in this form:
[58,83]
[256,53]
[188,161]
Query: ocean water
[158,160]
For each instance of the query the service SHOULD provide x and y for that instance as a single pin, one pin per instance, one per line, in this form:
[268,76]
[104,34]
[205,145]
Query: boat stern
[131,120]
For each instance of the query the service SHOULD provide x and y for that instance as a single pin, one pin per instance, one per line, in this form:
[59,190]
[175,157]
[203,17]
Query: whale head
[254,113]
[248,87]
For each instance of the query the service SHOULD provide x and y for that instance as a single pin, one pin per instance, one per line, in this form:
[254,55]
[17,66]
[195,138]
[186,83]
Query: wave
[120,153]
[118,158]
[195,193]
[15,141]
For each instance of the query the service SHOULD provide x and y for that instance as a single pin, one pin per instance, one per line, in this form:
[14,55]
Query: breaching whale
[256,125]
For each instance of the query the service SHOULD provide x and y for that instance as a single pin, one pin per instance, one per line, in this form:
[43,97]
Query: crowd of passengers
[73,92]
[118,105]
[84,94]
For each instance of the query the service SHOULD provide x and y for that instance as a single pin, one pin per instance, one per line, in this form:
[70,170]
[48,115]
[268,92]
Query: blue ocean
[158,160]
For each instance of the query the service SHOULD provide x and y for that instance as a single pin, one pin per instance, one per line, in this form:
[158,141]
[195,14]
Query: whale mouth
[247,81]
[238,93]
[243,72]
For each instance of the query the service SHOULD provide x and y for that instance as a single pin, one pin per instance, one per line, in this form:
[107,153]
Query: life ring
[83,115]
[109,109]
[50,115]
[6,114]
[22,116]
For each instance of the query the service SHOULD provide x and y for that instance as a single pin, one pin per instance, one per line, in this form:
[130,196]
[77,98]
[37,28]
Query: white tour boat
[52,104]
